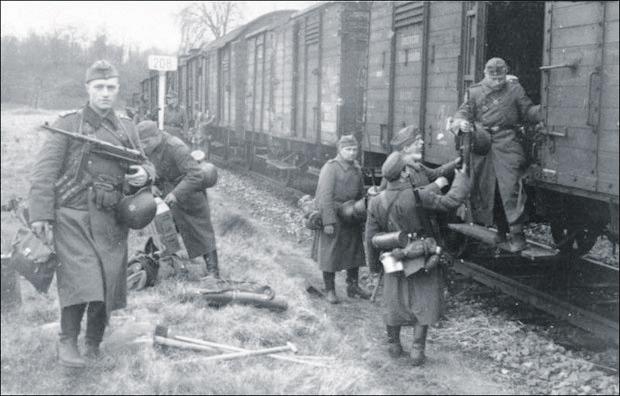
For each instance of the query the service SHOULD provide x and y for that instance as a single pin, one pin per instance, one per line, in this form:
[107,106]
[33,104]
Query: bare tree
[206,20]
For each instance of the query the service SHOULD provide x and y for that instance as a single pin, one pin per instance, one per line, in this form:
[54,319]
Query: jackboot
[95,327]
[395,349]
[517,241]
[419,344]
[212,265]
[68,353]
[67,349]
[499,216]
[353,288]
[330,287]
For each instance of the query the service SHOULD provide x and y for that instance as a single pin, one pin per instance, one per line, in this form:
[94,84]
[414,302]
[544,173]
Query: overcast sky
[142,23]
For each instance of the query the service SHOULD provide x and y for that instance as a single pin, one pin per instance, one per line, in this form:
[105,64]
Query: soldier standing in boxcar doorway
[415,300]
[497,105]
[176,120]
[340,243]
[179,177]
[90,241]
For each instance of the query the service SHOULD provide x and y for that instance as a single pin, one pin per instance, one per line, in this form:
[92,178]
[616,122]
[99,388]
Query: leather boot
[67,349]
[395,349]
[212,265]
[68,353]
[517,241]
[95,327]
[330,287]
[419,344]
[353,288]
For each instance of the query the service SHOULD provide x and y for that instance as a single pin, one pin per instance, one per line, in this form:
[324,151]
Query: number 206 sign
[162,63]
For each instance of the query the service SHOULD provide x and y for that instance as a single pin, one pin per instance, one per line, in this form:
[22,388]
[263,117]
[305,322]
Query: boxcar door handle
[571,65]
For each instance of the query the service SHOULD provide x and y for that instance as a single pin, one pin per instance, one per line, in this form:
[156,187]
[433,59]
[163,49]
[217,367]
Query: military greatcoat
[178,172]
[500,111]
[176,121]
[417,299]
[90,242]
[339,181]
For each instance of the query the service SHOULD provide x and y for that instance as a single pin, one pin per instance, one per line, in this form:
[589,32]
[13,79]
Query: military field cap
[393,165]
[404,137]
[496,66]
[147,129]
[346,141]
[101,69]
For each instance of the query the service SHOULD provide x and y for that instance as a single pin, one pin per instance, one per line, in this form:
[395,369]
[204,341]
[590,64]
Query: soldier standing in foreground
[180,179]
[416,300]
[498,105]
[175,117]
[340,243]
[90,240]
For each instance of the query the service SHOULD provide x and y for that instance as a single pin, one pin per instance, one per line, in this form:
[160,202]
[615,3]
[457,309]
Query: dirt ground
[250,248]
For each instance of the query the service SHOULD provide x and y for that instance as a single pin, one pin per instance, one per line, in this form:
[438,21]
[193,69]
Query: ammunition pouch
[107,192]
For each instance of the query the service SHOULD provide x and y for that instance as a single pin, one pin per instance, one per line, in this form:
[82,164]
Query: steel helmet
[136,211]
[209,174]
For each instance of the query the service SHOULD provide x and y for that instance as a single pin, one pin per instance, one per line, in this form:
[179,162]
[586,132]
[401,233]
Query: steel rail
[579,317]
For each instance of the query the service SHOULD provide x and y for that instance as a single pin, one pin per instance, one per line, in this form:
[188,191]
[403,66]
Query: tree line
[47,70]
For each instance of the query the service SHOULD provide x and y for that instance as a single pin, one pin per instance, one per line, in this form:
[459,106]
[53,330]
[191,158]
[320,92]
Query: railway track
[581,291]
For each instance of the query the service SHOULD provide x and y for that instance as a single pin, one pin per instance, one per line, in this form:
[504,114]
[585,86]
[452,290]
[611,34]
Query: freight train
[285,86]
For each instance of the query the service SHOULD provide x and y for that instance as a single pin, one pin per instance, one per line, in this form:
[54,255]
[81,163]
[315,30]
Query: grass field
[352,332]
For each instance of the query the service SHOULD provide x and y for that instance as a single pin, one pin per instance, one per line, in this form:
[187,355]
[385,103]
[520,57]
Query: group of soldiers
[90,238]
[192,130]
[411,194]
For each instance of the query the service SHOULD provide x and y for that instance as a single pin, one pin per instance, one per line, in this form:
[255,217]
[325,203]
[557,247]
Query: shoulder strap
[389,205]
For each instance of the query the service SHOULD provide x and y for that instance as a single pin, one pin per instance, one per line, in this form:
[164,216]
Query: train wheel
[574,239]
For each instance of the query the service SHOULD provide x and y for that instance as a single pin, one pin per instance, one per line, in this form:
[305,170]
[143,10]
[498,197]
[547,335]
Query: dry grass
[352,332]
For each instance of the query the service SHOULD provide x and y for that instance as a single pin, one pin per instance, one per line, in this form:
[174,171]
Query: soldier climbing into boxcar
[182,183]
[496,105]
[340,242]
[409,141]
[415,300]
[79,205]
[176,120]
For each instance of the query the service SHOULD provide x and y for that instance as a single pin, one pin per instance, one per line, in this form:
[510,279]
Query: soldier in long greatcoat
[499,104]
[90,241]
[179,178]
[416,300]
[340,243]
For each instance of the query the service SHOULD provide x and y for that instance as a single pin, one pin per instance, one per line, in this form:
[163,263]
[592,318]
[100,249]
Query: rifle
[464,148]
[102,147]
[69,186]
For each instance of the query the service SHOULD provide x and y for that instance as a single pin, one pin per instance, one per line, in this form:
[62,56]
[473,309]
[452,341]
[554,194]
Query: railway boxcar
[424,55]
[226,93]
[305,84]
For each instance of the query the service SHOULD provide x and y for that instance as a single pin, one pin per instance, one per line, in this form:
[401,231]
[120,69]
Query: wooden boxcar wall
[581,104]
[413,73]
[354,35]
[442,76]
[281,80]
